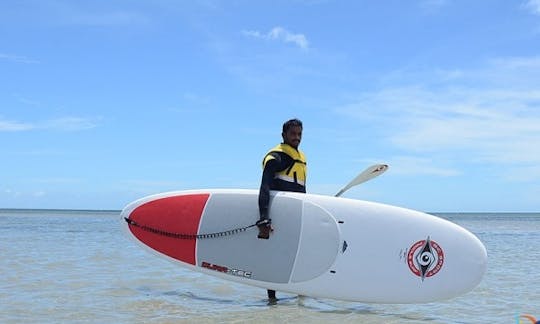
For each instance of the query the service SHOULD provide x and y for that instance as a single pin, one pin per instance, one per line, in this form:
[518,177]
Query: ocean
[68,266]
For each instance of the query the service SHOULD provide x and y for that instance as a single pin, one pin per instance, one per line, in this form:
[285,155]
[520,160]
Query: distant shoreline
[66,210]
[59,210]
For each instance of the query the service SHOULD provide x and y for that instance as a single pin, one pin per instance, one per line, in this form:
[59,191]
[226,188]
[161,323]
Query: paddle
[368,174]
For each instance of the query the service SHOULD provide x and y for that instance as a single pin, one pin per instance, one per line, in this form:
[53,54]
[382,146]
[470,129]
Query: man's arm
[270,169]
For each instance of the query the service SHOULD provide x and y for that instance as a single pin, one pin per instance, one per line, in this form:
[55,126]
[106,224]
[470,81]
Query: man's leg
[271,295]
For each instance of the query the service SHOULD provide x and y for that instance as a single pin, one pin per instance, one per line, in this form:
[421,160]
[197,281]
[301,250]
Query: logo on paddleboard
[224,269]
[425,258]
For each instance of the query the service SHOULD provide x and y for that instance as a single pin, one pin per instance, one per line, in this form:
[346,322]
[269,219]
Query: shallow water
[79,267]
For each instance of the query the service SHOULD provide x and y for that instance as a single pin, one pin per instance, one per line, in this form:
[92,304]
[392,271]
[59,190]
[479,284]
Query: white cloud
[69,124]
[517,62]
[61,124]
[280,34]
[533,6]
[13,194]
[27,101]
[13,126]
[420,166]
[497,125]
[489,116]
[17,58]
[253,33]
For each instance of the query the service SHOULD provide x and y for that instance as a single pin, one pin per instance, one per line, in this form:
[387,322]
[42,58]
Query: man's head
[292,132]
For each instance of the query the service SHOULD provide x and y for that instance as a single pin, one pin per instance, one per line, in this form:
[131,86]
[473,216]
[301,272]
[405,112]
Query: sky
[105,102]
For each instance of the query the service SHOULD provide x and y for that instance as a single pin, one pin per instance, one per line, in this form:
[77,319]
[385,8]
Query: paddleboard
[321,246]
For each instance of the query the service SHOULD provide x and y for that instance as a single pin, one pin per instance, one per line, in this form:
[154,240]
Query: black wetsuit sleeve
[270,169]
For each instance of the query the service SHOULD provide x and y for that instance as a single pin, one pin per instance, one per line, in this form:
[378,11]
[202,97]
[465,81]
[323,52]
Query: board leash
[188,236]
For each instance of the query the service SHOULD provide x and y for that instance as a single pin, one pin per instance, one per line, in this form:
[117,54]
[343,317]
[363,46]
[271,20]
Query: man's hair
[291,123]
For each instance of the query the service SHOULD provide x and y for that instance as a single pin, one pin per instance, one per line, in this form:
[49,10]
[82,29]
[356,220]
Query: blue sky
[103,102]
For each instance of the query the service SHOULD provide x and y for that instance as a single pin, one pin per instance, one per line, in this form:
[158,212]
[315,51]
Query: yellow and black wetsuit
[284,169]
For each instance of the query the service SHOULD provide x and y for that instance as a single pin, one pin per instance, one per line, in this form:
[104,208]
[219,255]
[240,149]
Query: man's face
[293,136]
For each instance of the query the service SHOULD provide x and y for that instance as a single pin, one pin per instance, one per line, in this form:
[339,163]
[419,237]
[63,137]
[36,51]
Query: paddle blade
[368,174]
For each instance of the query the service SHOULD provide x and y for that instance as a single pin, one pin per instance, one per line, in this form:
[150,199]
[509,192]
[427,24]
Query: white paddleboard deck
[321,246]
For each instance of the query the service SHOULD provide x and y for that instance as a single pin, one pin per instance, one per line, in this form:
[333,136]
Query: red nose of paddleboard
[161,223]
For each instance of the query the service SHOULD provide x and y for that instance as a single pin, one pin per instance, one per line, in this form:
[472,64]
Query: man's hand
[265,227]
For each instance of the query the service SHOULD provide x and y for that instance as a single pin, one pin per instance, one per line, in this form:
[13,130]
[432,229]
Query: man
[284,169]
